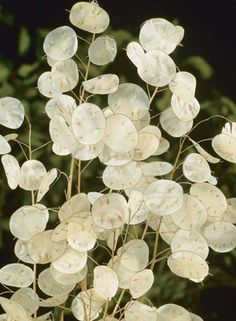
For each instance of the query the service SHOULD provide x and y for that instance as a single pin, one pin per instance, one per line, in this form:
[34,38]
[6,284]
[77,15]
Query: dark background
[209,33]
[209,26]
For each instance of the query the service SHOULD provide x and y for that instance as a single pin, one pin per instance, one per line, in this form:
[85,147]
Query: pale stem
[79,176]
[156,245]
[145,229]
[118,303]
[86,74]
[42,146]
[182,141]
[83,284]
[106,309]
[33,202]
[153,95]
[113,246]
[62,315]
[70,180]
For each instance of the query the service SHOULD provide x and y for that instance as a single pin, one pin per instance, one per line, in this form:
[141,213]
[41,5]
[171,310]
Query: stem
[62,316]
[145,229]
[105,310]
[153,95]
[118,303]
[156,245]
[83,284]
[182,141]
[86,74]
[79,176]
[70,180]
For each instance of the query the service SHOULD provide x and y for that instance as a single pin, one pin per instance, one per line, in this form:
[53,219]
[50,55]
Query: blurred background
[208,52]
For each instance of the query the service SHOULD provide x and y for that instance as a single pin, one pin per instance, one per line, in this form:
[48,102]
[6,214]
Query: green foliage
[21,83]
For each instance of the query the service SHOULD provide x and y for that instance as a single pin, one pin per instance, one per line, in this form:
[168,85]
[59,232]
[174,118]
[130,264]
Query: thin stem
[22,149]
[113,247]
[30,136]
[79,176]
[153,96]
[145,229]
[70,180]
[62,315]
[86,166]
[156,245]
[106,309]
[34,150]
[83,284]
[118,303]
[86,74]
[182,141]
[78,57]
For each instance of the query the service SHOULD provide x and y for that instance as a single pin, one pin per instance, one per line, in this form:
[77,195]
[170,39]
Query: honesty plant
[141,188]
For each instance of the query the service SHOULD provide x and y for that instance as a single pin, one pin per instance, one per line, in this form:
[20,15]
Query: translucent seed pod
[17,275]
[12,170]
[102,50]
[65,75]
[45,85]
[88,123]
[76,204]
[5,148]
[105,282]
[183,85]
[87,304]
[61,43]
[110,211]
[173,125]
[47,180]
[130,100]
[13,310]
[174,312]
[32,173]
[27,298]
[221,236]
[28,221]
[43,250]
[192,214]
[185,111]
[196,168]
[135,52]
[54,301]
[159,33]
[191,241]
[204,153]
[102,85]
[141,283]
[121,177]
[156,68]
[211,197]
[71,261]
[134,255]
[188,265]
[137,311]
[225,146]
[89,17]
[120,133]
[12,112]
[50,287]
[163,197]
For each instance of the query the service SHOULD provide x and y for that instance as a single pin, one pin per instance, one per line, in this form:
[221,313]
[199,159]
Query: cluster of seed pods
[141,186]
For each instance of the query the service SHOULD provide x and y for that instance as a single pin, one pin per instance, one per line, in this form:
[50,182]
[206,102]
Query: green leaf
[6,89]
[201,65]
[26,69]
[24,41]
[6,17]
[5,71]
